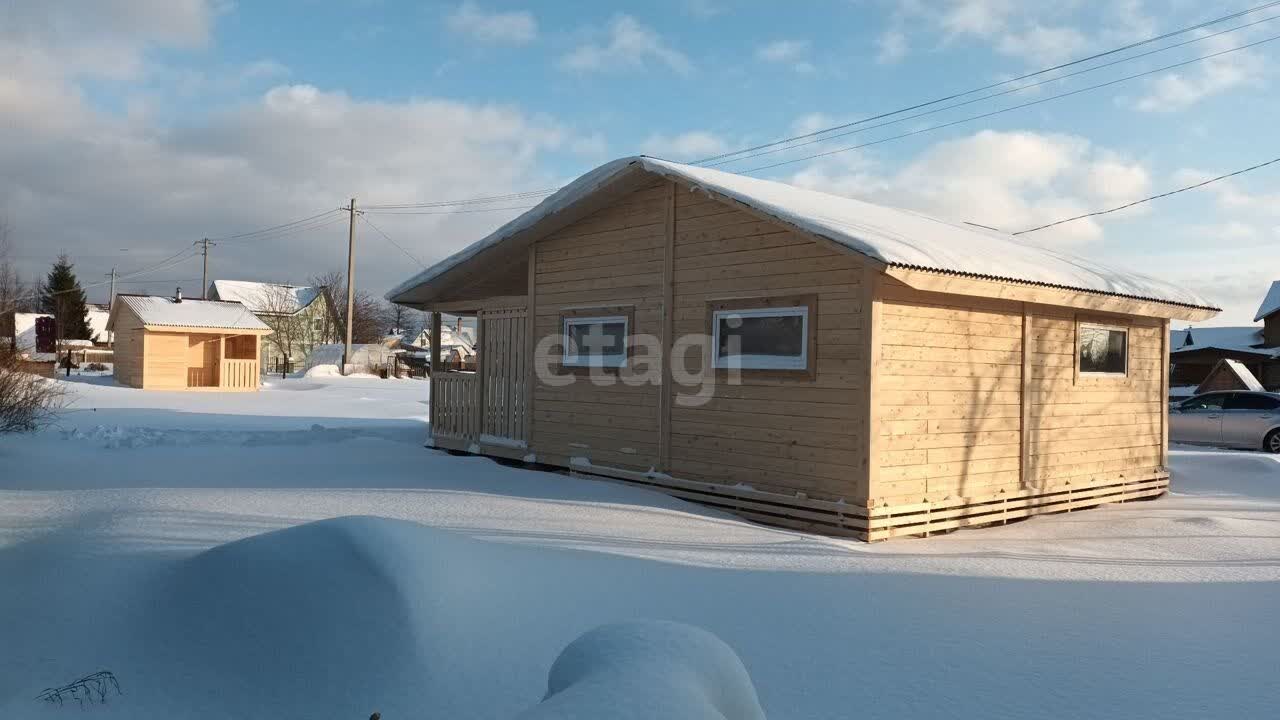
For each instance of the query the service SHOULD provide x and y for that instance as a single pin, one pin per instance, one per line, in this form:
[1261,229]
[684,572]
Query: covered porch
[223,361]
[485,409]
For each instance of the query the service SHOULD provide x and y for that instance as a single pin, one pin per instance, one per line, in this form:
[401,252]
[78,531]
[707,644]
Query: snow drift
[648,669]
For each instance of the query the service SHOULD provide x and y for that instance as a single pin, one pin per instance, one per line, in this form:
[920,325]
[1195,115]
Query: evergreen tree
[64,299]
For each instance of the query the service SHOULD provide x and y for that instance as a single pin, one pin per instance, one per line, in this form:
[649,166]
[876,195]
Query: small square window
[1104,350]
[768,338]
[596,341]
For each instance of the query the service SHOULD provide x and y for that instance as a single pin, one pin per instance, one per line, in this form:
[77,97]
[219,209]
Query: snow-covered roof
[900,238]
[98,316]
[1271,303]
[1240,339]
[165,311]
[1244,374]
[261,297]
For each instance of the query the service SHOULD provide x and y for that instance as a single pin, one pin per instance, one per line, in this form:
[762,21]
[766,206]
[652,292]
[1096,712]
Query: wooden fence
[238,374]
[456,400]
[504,369]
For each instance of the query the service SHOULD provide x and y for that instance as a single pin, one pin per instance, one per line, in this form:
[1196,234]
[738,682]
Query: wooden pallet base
[870,524]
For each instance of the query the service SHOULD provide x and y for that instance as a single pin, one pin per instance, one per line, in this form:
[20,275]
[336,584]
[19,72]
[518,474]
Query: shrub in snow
[648,669]
[26,401]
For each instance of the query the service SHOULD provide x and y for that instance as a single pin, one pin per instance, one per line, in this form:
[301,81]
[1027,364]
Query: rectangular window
[596,341]
[762,338]
[1103,350]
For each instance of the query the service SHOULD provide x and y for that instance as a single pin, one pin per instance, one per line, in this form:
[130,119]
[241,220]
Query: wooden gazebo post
[435,367]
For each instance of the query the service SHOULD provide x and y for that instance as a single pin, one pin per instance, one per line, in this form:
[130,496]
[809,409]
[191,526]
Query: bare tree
[372,315]
[279,310]
[26,401]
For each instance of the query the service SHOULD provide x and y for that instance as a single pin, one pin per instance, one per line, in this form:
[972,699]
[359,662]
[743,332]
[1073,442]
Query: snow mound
[648,669]
[323,360]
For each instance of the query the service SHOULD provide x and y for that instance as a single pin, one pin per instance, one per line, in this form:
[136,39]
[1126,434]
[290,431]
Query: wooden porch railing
[456,397]
[238,374]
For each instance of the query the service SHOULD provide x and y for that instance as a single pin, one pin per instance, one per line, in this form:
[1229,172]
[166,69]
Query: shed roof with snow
[156,311]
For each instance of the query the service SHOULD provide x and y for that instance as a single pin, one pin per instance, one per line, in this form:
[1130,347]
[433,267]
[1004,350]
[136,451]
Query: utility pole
[351,284]
[111,301]
[204,276]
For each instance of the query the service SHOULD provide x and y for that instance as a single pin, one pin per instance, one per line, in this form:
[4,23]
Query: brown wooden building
[804,359]
[164,343]
[1195,351]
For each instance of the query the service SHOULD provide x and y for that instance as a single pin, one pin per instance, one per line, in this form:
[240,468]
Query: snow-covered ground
[171,539]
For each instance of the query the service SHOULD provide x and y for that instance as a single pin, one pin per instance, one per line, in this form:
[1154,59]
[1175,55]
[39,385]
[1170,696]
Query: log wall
[612,258]
[981,401]
[777,432]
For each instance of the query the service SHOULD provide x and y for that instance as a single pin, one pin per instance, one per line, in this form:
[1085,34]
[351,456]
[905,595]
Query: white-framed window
[766,338]
[1102,350]
[596,341]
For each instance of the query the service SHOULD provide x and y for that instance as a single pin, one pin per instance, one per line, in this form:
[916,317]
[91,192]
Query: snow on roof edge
[879,237]
[1271,303]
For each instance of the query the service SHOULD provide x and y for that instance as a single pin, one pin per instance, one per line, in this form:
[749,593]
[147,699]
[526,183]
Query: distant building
[1195,351]
[300,318]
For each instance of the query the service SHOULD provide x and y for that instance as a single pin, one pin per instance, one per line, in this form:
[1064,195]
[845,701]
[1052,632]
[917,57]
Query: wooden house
[1197,351]
[176,343]
[804,359]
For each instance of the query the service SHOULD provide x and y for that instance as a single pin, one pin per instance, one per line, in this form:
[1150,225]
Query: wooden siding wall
[949,388]
[127,347]
[786,435]
[611,258]
[165,361]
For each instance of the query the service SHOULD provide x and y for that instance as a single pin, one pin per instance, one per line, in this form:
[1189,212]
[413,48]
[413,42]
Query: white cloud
[687,146]
[1179,90]
[892,46]
[91,181]
[1043,45]
[787,52]
[703,9]
[1007,180]
[629,45]
[1038,33]
[507,28]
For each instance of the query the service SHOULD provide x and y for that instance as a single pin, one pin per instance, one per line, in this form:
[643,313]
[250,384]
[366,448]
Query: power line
[527,194]
[971,118]
[1153,197]
[1002,93]
[991,86]
[171,261]
[445,212]
[393,242]
[266,230]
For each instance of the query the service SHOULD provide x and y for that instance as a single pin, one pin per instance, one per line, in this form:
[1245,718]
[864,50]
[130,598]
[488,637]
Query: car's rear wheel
[1272,442]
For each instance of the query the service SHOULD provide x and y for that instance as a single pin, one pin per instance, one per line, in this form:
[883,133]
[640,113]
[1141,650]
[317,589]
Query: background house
[300,318]
[1197,350]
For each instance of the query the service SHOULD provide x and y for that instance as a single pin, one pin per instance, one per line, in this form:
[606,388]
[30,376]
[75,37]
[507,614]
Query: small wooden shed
[176,343]
[804,359]
[1230,374]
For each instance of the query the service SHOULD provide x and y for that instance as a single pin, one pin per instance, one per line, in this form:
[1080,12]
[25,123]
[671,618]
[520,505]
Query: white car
[1239,419]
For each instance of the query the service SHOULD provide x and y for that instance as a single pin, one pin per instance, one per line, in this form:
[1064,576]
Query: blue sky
[147,124]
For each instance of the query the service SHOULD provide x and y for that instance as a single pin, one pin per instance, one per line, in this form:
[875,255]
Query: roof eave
[1007,288]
